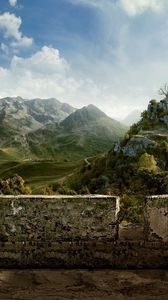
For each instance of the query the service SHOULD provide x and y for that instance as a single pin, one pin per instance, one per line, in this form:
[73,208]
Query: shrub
[147,162]
[14,186]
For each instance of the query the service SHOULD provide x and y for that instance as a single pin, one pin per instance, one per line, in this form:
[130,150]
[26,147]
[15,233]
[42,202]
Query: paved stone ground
[85,285]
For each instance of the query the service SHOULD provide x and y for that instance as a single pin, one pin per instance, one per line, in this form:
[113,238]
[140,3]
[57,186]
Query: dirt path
[80,284]
[87,162]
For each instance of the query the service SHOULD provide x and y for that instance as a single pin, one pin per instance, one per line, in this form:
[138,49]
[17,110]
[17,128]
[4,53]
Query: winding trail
[87,162]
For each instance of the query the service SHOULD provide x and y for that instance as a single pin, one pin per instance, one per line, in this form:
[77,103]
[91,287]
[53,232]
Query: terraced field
[38,174]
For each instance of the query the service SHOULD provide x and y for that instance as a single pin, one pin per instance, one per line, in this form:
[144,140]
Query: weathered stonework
[54,218]
[81,232]
[84,254]
[156,218]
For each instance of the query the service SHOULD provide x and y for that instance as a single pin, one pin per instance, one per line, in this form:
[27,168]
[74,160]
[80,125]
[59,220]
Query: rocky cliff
[150,134]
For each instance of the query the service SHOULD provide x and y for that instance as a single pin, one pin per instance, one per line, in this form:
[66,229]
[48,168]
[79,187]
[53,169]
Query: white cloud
[131,7]
[10,26]
[134,7]
[93,3]
[47,61]
[46,74]
[86,2]
[13,2]
[4,48]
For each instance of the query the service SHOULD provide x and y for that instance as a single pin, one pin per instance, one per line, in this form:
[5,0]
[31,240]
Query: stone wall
[156,218]
[54,218]
[84,254]
[81,231]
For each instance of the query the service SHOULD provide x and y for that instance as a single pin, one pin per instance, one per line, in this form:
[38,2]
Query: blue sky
[112,53]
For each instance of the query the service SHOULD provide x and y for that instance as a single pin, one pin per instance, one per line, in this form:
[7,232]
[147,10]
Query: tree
[14,186]
[153,101]
[147,162]
[164,91]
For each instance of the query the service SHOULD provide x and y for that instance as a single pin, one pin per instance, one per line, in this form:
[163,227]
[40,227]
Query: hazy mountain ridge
[85,132]
[48,111]
[50,129]
[81,117]
[19,116]
[32,114]
[90,116]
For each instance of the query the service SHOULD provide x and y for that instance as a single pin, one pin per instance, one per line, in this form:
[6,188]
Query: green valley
[38,174]
[87,152]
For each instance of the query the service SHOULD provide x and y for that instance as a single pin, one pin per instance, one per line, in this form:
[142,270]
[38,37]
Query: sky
[111,53]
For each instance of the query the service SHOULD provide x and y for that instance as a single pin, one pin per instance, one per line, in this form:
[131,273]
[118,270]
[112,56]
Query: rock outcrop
[149,133]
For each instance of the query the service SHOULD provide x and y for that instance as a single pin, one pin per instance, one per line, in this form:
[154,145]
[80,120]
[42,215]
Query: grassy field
[38,174]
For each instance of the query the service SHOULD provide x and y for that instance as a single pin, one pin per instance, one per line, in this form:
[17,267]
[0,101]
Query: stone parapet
[54,218]
[81,232]
[156,218]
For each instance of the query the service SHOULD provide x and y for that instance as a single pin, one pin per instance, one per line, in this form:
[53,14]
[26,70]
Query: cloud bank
[134,7]
[131,7]
[47,74]
[44,74]
[10,28]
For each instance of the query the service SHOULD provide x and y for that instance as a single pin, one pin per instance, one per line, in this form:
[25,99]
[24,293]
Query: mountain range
[49,129]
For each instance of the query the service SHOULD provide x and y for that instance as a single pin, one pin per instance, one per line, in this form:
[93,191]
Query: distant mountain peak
[83,117]
[92,106]
[83,133]
[94,109]
[11,99]
[48,128]
[21,116]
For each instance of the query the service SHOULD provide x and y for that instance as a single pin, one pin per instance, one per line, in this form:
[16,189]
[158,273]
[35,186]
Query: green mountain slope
[19,116]
[138,164]
[85,132]
[49,129]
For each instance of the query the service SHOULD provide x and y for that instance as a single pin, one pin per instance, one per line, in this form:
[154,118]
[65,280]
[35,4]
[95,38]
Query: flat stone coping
[59,197]
[157,196]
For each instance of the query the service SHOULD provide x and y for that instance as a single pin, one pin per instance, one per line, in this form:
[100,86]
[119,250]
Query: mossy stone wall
[156,217]
[54,218]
